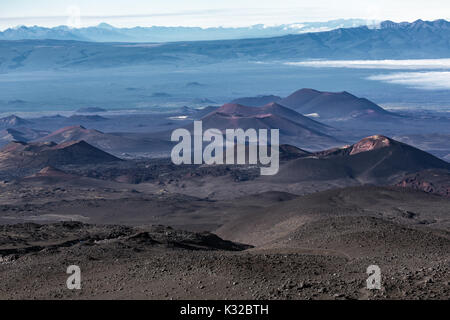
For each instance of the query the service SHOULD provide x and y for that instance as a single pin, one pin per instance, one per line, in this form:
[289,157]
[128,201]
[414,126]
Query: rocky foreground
[162,263]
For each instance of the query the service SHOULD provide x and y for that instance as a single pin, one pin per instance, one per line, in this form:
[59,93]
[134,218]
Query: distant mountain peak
[43,154]
[306,90]
[419,23]
[105,25]
[12,120]
[333,105]
[11,117]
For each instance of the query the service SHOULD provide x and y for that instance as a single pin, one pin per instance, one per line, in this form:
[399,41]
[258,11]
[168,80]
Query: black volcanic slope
[280,224]
[288,152]
[29,235]
[333,105]
[431,181]
[375,159]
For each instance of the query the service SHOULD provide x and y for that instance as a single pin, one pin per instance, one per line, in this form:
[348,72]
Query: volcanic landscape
[75,192]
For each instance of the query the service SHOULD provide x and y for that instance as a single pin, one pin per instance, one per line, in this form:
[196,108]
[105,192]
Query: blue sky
[207,13]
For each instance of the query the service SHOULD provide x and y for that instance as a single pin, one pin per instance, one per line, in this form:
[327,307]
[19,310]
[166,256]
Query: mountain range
[417,40]
[107,33]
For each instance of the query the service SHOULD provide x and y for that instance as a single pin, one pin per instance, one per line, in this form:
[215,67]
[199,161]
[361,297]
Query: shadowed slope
[375,159]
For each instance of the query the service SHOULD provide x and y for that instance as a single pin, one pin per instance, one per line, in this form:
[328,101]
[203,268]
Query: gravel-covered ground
[162,263]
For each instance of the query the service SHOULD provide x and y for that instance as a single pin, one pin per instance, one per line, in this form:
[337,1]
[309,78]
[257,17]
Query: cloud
[426,79]
[434,80]
[377,64]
